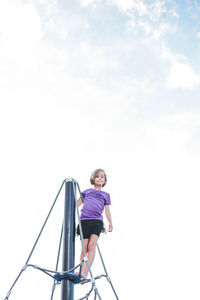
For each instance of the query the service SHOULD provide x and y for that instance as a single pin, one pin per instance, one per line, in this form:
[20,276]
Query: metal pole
[67,288]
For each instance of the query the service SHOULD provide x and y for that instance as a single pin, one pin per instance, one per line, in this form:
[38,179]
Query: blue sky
[112,84]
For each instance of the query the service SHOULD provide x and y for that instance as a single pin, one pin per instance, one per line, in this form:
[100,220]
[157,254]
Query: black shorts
[89,227]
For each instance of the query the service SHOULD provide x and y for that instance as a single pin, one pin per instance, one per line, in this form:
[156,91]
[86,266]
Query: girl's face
[99,179]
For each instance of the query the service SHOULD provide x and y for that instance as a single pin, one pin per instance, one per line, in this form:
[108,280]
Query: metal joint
[35,266]
[66,180]
[8,295]
[85,259]
[108,278]
[24,267]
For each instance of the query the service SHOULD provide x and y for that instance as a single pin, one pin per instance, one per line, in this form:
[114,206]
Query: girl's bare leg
[86,241]
[91,248]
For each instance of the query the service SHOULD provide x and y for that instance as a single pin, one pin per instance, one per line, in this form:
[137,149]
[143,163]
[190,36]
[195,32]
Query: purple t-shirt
[93,204]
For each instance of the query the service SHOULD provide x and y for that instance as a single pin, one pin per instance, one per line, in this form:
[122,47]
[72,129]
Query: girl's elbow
[79,202]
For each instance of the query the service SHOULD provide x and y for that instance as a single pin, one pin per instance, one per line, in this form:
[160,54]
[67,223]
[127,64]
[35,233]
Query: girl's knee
[91,247]
[92,244]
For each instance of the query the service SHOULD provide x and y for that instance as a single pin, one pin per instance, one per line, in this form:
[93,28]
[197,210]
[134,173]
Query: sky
[113,84]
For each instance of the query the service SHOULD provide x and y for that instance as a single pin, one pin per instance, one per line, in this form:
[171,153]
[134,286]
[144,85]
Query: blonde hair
[94,174]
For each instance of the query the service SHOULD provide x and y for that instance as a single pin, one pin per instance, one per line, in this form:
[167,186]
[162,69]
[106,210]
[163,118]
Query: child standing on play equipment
[95,201]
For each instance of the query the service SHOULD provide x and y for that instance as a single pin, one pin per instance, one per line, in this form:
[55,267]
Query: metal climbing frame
[67,276]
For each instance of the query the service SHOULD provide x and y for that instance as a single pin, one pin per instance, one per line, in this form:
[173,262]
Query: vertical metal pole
[67,287]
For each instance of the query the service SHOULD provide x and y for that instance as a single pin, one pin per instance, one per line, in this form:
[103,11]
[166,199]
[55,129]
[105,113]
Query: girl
[94,202]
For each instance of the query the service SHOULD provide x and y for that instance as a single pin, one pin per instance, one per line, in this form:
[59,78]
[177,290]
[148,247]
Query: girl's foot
[84,275]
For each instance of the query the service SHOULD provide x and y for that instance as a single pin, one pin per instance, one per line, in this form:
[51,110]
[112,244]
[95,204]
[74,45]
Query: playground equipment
[67,278]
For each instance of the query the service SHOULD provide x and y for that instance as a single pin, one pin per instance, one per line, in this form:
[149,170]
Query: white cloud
[20,33]
[153,11]
[157,9]
[181,75]
[26,60]
[88,2]
[21,27]
[148,17]
[198,35]
[84,48]
[123,5]
[46,2]
[155,32]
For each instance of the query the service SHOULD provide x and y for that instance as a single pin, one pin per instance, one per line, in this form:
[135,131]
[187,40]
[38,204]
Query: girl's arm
[109,218]
[79,202]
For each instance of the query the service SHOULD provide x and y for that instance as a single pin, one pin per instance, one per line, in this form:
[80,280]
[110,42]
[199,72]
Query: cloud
[28,60]
[128,4]
[181,75]
[87,2]
[153,19]
[156,32]
[154,10]
[21,27]
[21,33]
